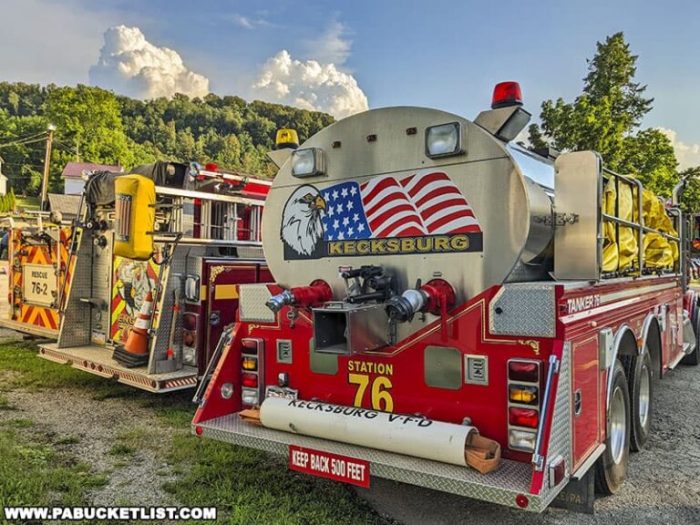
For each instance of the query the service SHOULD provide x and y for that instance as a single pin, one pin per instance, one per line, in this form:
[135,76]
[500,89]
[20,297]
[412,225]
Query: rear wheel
[640,391]
[611,468]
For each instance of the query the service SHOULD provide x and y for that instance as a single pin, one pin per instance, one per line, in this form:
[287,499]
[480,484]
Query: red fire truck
[70,282]
[448,299]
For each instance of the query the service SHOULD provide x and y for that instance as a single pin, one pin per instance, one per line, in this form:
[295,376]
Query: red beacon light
[211,166]
[506,94]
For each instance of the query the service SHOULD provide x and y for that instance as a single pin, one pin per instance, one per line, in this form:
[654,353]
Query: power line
[27,137]
[23,142]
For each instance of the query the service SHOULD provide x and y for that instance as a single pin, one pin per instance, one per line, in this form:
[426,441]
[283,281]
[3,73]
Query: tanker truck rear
[455,311]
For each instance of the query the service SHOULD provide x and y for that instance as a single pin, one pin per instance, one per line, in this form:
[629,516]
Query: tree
[606,117]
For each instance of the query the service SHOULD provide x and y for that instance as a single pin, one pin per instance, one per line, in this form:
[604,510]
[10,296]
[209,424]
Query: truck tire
[611,467]
[639,374]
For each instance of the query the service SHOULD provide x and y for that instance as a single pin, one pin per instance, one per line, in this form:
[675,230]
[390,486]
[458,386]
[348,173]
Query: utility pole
[47,162]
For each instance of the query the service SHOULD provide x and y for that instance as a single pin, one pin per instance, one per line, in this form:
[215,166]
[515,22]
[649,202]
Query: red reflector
[250,380]
[523,371]
[556,472]
[522,501]
[523,417]
[506,94]
[198,430]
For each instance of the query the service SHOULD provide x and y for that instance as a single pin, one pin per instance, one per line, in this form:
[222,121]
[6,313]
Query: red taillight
[250,344]
[250,380]
[524,371]
[198,430]
[523,417]
[506,94]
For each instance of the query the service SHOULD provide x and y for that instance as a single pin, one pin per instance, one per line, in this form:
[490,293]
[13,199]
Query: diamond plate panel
[523,309]
[75,322]
[560,436]
[251,305]
[501,486]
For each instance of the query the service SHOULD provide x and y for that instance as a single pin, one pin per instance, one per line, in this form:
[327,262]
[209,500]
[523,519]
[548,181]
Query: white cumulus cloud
[131,65]
[688,155]
[332,45]
[310,85]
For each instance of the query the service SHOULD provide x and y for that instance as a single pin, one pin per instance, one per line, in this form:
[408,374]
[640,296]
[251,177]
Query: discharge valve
[436,297]
[319,291]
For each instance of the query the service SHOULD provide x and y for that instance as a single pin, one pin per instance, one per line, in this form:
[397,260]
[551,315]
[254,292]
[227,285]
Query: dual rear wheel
[629,420]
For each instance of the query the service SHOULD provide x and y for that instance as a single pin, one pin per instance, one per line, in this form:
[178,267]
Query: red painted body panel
[585,380]
[581,313]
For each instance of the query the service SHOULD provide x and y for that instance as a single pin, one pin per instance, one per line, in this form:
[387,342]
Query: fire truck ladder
[220,221]
[224,342]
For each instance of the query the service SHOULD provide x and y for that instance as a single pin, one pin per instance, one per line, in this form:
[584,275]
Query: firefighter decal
[131,282]
[420,213]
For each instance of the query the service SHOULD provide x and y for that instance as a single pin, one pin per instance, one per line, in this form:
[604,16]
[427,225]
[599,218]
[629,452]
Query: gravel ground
[93,426]
[663,485]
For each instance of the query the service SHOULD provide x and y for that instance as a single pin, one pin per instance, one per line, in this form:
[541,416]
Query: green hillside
[94,125]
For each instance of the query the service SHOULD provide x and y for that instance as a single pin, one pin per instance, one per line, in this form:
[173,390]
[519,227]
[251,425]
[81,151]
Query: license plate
[328,465]
[283,392]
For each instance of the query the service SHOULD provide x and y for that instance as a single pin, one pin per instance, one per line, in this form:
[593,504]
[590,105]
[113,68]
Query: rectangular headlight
[444,140]
[308,162]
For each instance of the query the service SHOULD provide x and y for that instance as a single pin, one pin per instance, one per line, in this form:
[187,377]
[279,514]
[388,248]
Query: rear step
[98,360]
[501,486]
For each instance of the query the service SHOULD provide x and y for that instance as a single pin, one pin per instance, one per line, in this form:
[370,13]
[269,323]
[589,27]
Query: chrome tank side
[505,186]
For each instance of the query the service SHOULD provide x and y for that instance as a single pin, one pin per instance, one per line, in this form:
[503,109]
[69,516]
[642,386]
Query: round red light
[506,94]
[198,430]
[522,501]
[211,166]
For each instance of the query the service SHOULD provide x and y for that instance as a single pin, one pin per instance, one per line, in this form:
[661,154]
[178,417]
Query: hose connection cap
[402,308]
[277,302]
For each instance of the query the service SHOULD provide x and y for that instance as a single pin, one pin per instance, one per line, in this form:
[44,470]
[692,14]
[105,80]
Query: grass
[245,485]
[33,473]
[5,404]
[27,202]
[20,367]
[248,486]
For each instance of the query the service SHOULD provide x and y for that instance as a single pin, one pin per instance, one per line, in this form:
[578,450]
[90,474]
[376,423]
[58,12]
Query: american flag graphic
[425,203]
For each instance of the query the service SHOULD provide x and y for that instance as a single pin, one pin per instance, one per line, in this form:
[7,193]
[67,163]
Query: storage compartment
[342,328]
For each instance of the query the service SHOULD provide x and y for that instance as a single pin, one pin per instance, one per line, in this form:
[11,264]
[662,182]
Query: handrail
[215,197]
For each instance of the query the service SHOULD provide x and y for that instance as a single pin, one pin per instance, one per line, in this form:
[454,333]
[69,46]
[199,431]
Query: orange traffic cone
[135,351]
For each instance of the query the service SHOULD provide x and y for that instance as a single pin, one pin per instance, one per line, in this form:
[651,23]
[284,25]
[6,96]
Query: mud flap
[578,495]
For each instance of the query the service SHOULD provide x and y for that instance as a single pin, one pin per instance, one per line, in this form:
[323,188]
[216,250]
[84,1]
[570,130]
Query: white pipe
[409,435]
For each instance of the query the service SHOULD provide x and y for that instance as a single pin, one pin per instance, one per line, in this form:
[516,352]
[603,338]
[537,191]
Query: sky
[343,57]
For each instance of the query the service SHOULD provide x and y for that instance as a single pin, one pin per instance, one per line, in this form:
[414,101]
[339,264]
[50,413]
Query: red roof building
[73,175]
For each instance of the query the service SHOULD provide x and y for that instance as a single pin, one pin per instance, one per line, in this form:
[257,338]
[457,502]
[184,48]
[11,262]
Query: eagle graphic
[302,228]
